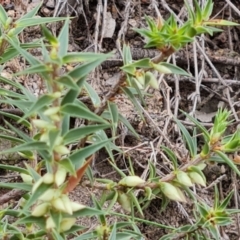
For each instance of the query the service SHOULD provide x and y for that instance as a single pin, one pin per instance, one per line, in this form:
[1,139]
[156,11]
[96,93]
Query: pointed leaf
[93,95]
[188,138]
[68,82]
[171,155]
[169,68]
[79,156]
[26,147]
[3,15]
[63,38]
[86,68]
[20,186]
[75,110]
[228,161]
[27,22]
[78,133]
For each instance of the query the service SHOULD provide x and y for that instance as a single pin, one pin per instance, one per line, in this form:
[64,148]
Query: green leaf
[42,102]
[127,56]
[228,161]
[21,134]
[129,69]
[75,110]
[40,68]
[134,200]
[48,35]
[113,110]
[172,157]
[79,156]
[207,11]
[143,63]
[32,60]
[188,138]
[101,217]
[84,69]
[87,211]
[35,196]
[10,82]
[132,98]
[40,221]
[92,94]
[67,81]
[13,168]
[53,135]
[113,235]
[72,94]
[168,68]
[122,119]
[12,139]
[76,134]
[226,201]
[82,57]
[128,125]
[27,22]
[67,164]
[220,22]
[31,13]
[3,15]
[101,136]
[199,125]
[63,38]
[26,146]
[198,13]
[16,118]
[11,94]
[20,186]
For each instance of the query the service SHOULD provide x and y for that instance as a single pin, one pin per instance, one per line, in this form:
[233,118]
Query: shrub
[54,168]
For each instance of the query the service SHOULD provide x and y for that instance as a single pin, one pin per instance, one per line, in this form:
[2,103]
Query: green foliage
[65,153]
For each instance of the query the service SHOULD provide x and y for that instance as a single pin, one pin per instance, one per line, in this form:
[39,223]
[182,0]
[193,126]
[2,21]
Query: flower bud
[151,80]
[50,223]
[45,138]
[60,176]
[66,224]
[37,184]
[61,149]
[148,193]
[77,206]
[40,210]
[11,32]
[49,195]
[52,110]
[26,178]
[184,179]
[140,76]
[58,204]
[40,123]
[124,201]
[131,181]
[55,117]
[8,22]
[172,192]
[67,204]
[162,69]
[197,178]
[56,95]
[48,178]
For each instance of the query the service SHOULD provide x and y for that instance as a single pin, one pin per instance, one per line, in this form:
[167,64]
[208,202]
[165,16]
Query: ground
[102,26]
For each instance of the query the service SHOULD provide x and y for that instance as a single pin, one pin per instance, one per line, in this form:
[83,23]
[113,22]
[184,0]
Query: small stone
[105,76]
